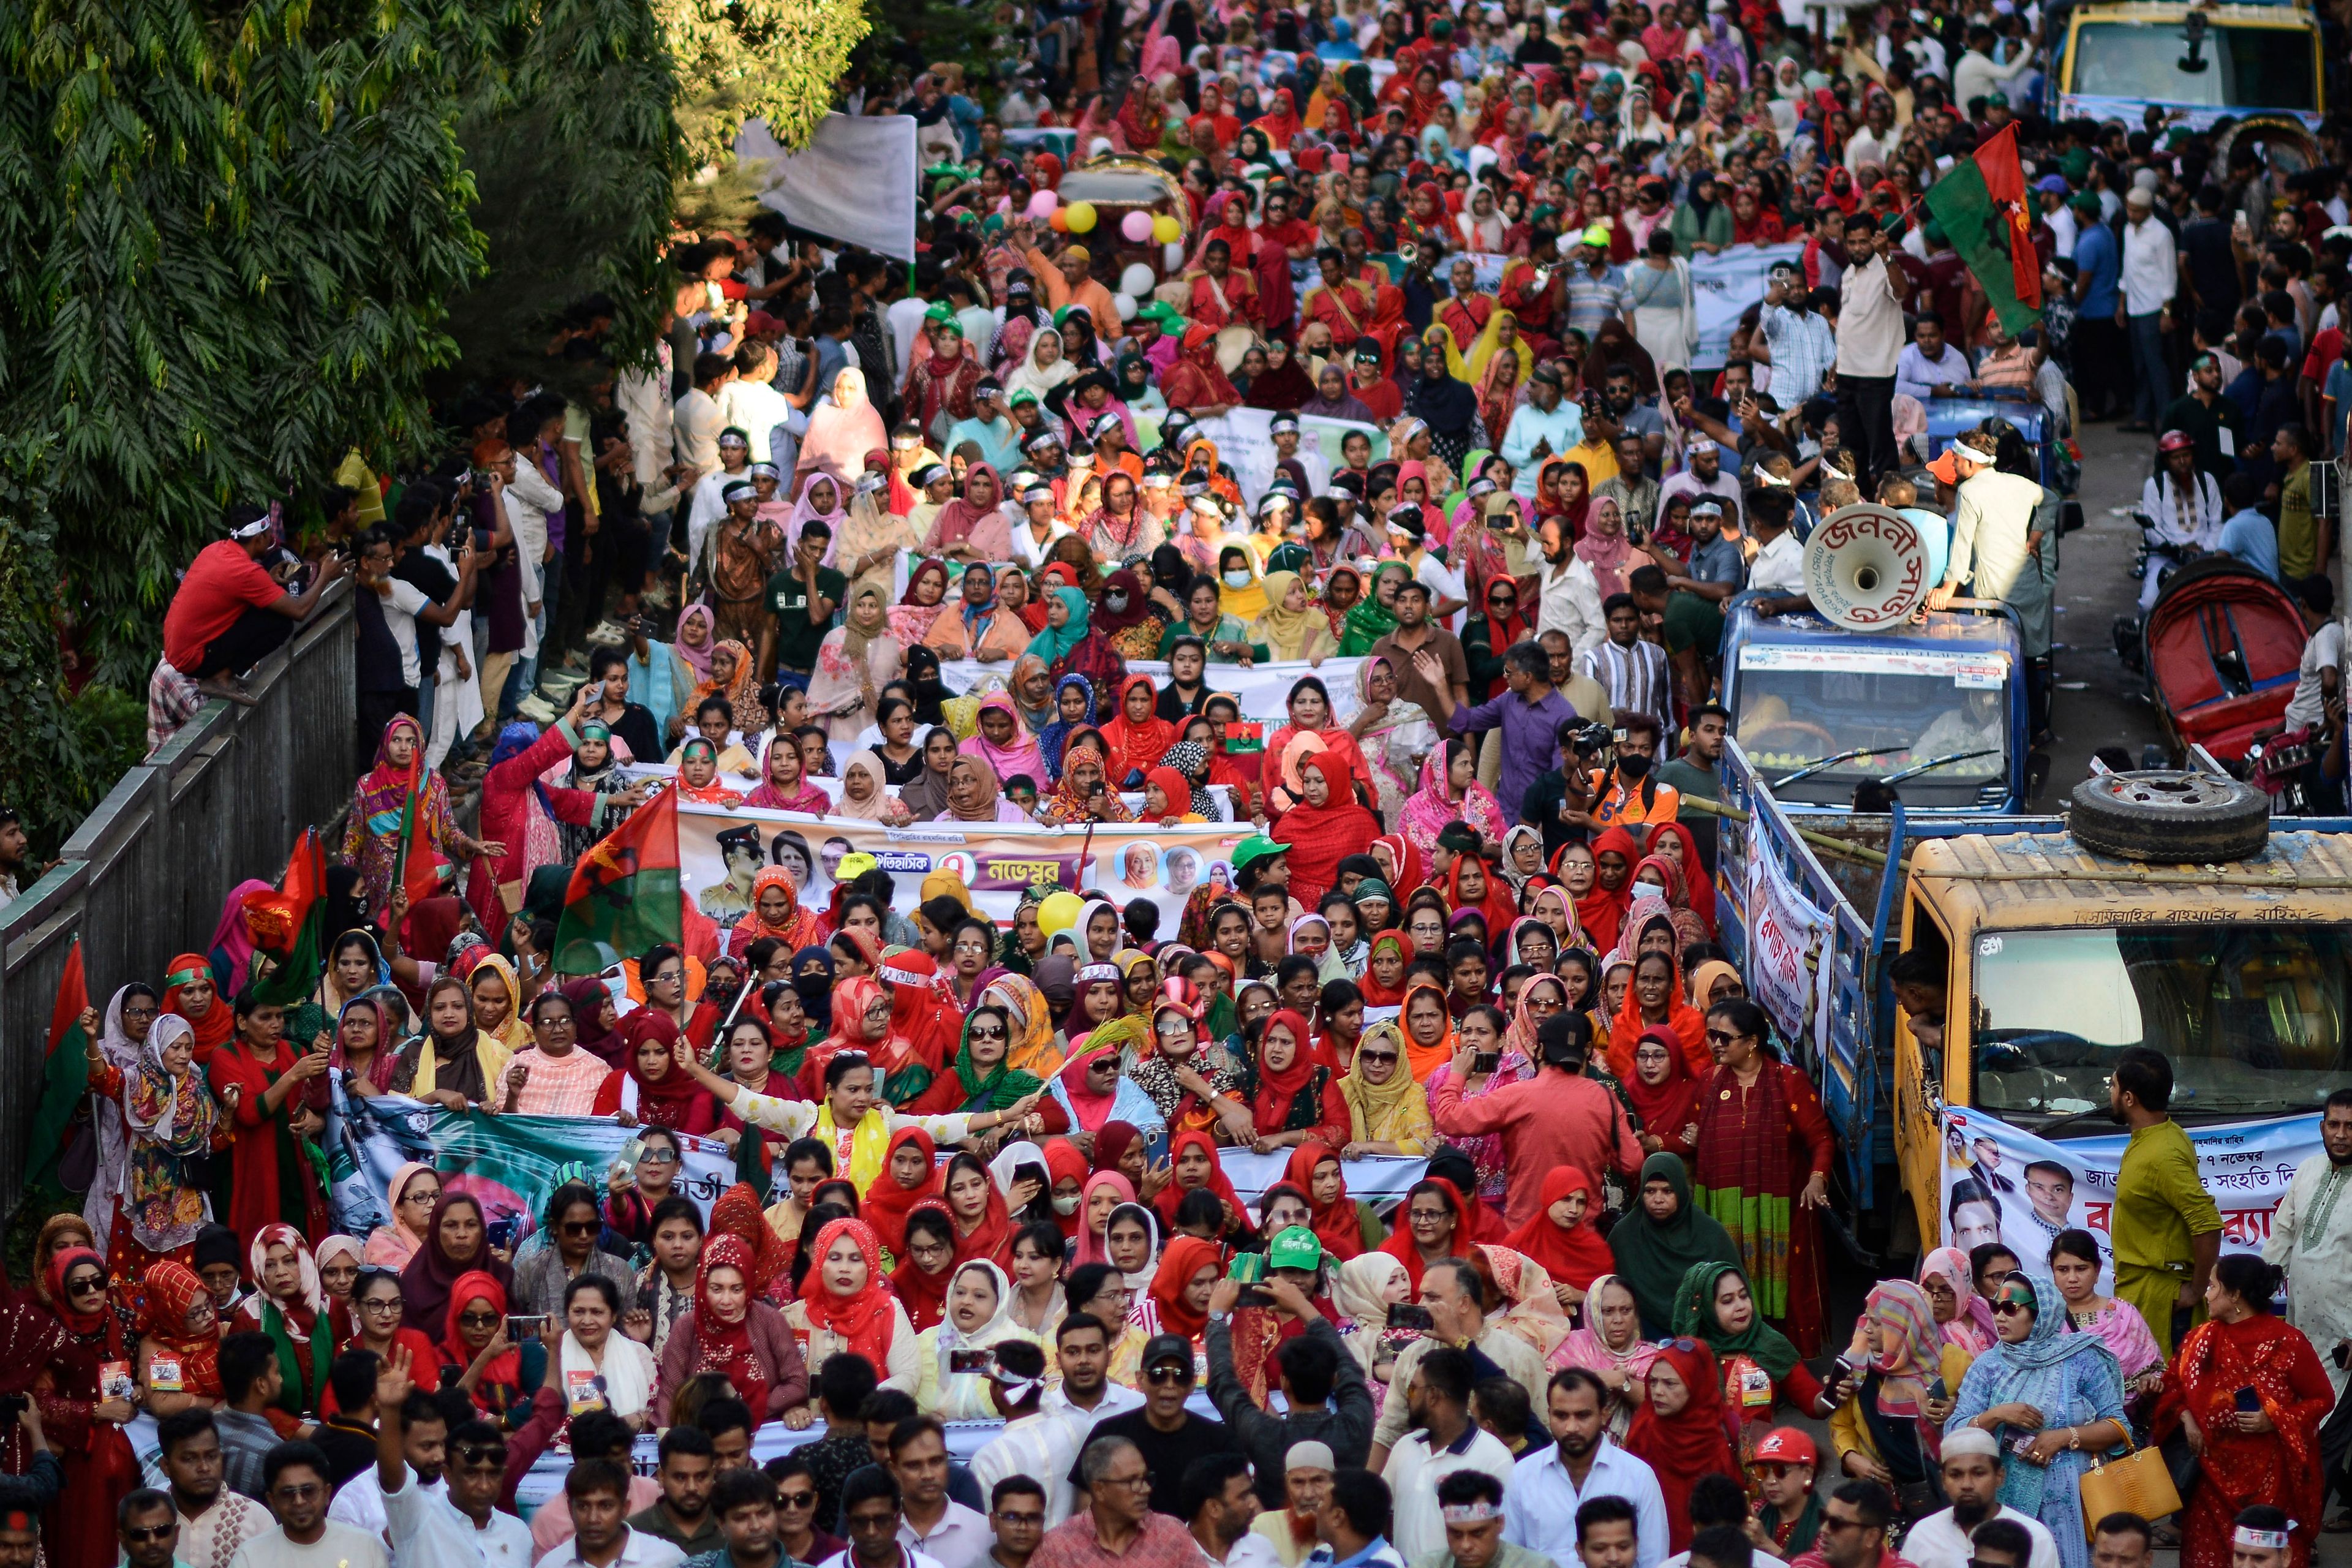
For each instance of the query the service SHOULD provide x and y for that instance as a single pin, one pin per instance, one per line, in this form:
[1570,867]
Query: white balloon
[1174,253]
[1137,279]
[1125,304]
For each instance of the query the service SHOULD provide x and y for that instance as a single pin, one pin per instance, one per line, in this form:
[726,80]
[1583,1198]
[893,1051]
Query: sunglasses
[658,1157]
[987,1034]
[796,1499]
[1726,1035]
[1376,1056]
[2010,1304]
[139,1534]
[1161,1375]
[478,1319]
[582,1227]
[86,1285]
[487,1454]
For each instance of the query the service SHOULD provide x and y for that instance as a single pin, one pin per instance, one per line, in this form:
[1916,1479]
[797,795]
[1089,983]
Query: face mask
[1067,1205]
[1114,602]
[1237,579]
[1633,767]
[811,985]
[616,985]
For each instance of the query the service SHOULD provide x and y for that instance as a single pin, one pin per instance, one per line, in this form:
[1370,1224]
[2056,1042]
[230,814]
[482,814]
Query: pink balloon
[1137,226]
[1043,204]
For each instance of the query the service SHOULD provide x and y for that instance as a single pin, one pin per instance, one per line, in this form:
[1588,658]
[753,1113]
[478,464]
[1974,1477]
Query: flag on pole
[284,923]
[1981,203]
[65,1074]
[416,868]
[624,892]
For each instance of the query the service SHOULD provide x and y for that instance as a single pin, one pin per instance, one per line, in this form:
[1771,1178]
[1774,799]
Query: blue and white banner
[2003,1183]
[1784,945]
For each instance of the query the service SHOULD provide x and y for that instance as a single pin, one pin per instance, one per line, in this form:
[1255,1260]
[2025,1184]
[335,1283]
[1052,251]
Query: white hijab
[627,1374]
[1038,378]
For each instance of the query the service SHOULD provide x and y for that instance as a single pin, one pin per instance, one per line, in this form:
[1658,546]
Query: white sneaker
[538,710]
[608,634]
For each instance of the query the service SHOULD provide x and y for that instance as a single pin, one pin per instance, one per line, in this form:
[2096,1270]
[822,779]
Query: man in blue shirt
[1530,715]
[2101,355]
[2245,532]
[1354,1524]
[1544,427]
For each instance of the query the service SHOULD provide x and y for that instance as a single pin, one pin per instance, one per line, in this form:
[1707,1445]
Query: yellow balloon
[1166,229]
[1082,218]
[1059,912]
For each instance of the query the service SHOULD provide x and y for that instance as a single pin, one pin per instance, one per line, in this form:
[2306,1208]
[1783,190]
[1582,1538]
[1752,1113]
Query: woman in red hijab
[983,1226]
[1681,1431]
[1063,1164]
[1193,1156]
[1137,737]
[1338,1220]
[1559,1234]
[665,1096]
[1472,884]
[1656,1002]
[909,1177]
[1667,1103]
[1325,827]
[1280,124]
[1402,864]
[1298,1098]
[1176,1283]
[1602,907]
[924,1291]
[1196,382]
[189,992]
[83,1425]
[476,1318]
[1453,1241]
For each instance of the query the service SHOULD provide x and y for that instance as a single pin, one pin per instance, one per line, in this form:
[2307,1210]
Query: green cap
[1255,847]
[1597,233]
[1294,1247]
[2083,201]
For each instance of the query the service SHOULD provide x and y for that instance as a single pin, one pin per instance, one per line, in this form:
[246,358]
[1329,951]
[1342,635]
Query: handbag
[2138,1483]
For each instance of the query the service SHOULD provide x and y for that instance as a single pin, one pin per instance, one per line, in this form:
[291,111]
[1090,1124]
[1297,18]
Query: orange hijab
[1425,1060]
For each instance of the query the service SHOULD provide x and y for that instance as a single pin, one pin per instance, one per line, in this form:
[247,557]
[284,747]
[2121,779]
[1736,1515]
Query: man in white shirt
[2059,214]
[294,1484]
[1780,566]
[1443,1441]
[424,1441]
[1870,343]
[1086,1394]
[1929,366]
[2311,1239]
[2320,673]
[213,1521]
[751,403]
[1971,1468]
[1031,1443]
[870,1502]
[1220,1504]
[597,1491]
[2151,274]
[695,419]
[1547,1488]
[459,1525]
[1978,75]
[929,1520]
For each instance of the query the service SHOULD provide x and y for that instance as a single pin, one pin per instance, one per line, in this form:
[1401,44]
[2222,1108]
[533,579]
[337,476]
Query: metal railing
[146,874]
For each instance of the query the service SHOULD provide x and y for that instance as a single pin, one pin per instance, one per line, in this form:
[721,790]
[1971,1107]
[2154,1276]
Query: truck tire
[2169,817]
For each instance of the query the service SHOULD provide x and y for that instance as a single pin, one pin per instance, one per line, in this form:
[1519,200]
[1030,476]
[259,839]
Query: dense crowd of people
[979,1163]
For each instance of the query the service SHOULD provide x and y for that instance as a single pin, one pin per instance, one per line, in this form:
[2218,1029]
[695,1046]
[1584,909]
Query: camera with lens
[1593,737]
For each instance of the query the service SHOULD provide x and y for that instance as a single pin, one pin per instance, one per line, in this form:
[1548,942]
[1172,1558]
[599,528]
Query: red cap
[2176,441]
[1786,1445]
[1947,466]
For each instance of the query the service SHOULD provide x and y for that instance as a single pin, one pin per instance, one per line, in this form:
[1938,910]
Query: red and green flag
[416,868]
[65,1074]
[285,924]
[624,892]
[1982,207]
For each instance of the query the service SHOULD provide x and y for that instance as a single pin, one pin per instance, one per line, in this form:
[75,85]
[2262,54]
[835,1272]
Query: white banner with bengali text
[1722,288]
[2003,1183]
[1261,689]
[721,850]
[1784,940]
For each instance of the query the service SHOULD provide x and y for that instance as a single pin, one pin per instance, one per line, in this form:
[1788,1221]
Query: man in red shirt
[229,613]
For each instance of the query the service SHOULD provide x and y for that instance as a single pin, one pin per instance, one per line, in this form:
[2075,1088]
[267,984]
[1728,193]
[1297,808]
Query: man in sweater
[1316,1373]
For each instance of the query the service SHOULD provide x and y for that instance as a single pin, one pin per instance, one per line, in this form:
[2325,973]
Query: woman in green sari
[1666,1236]
[1374,617]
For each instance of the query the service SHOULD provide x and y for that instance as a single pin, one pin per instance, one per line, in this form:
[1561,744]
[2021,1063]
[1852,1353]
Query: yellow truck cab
[2197,62]
[1961,989]
[2055,958]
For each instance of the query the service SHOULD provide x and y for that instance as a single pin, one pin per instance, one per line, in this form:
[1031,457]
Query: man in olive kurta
[2166,1228]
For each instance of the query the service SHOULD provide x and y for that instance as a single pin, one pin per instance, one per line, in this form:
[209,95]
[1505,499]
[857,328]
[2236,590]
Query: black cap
[1167,1347]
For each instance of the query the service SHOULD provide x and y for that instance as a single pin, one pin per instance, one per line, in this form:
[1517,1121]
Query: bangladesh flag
[1981,205]
[284,924]
[625,892]
[65,1075]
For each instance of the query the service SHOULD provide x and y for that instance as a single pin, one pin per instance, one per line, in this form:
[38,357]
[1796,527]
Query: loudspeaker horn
[1866,568]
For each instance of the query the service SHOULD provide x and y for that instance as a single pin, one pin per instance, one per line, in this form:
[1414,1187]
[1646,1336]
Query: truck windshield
[1801,705]
[2249,68]
[2251,1016]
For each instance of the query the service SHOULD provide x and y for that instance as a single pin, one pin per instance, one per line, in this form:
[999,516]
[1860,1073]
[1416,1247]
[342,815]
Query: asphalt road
[2098,702]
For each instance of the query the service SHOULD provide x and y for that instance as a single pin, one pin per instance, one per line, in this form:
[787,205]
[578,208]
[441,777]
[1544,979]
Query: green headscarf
[1654,1258]
[1002,1087]
[1760,1341]
[1368,620]
[1051,644]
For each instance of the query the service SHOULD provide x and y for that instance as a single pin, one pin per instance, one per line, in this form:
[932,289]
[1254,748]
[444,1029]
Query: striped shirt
[1636,679]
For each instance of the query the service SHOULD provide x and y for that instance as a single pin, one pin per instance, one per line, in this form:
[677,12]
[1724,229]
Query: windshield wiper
[1810,769]
[1930,766]
[2050,1129]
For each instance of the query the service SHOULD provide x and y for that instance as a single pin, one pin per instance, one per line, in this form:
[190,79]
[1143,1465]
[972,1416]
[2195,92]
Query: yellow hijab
[1377,1106]
[1288,634]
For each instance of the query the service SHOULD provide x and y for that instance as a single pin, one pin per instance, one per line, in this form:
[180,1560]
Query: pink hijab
[1090,1245]
[841,430]
[698,659]
[1021,757]
[1611,555]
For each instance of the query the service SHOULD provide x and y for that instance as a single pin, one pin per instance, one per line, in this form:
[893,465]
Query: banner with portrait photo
[721,850]
[1261,689]
[2003,1183]
[1784,944]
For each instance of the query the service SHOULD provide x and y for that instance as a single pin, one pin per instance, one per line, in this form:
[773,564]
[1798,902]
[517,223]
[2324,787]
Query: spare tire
[2170,817]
